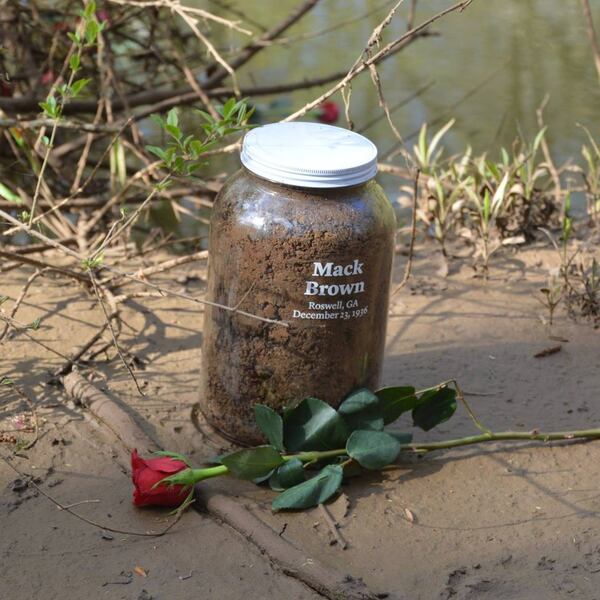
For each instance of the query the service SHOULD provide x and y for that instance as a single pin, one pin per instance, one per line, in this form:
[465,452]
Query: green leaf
[77,86]
[538,140]
[373,449]
[90,9]
[435,407]
[193,167]
[215,459]
[174,455]
[187,140]
[493,169]
[157,151]
[313,425]
[208,118]
[91,31]
[74,37]
[438,137]
[312,492]
[157,119]
[252,463]
[118,163]
[74,62]
[9,195]
[395,401]
[172,117]
[197,147]
[174,131]
[402,436]
[185,477]
[287,475]
[422,149]
[567,203]
[50,107]
[362,410]
[263,478]
[178,164]
[271,424]
[228,108]
[486,206]
[499,196]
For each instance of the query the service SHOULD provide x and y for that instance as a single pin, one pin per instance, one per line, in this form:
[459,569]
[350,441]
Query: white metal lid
[309,155]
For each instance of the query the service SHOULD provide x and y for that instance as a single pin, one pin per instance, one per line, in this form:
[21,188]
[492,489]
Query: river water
[490,67]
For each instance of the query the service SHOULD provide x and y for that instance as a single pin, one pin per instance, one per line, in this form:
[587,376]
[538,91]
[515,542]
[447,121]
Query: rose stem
[503,436]
[541,436]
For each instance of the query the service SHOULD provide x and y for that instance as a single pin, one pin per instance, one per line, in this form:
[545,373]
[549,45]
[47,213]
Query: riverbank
[500,521]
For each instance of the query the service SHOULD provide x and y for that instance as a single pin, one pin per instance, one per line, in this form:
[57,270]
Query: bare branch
[591,33]
[377,57]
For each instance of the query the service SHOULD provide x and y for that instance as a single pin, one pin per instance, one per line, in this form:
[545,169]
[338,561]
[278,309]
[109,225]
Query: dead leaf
[515,240]
[557,338]
[140,571]
[410,516]
[548,351]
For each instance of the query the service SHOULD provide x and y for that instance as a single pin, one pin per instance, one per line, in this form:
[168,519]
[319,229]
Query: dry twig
[591,33]
[413,235]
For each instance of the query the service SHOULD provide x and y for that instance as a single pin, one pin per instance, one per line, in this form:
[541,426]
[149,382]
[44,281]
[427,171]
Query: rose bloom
[328,112]
[5,89]
[146,472]
[47,77]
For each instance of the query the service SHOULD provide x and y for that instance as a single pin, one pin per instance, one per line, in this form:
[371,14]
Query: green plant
[427,154]
[85,35]
[182,155]
[528,171]
[442,205]
[583,291]
[591,177]
[485,213]
[530,200]
[552,297]
[566,231]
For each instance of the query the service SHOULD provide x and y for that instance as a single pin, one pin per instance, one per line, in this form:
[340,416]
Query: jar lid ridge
[309,155]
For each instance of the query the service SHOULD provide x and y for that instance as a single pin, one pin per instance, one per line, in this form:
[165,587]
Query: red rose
[47,77]
[62,26]
[145,473]
[328,112]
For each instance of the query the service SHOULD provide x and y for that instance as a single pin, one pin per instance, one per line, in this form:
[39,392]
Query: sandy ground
[498,521]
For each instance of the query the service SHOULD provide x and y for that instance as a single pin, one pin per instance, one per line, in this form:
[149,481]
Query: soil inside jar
[320,260]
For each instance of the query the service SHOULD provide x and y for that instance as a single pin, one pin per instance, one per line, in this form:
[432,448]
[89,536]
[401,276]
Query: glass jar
[302,238]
